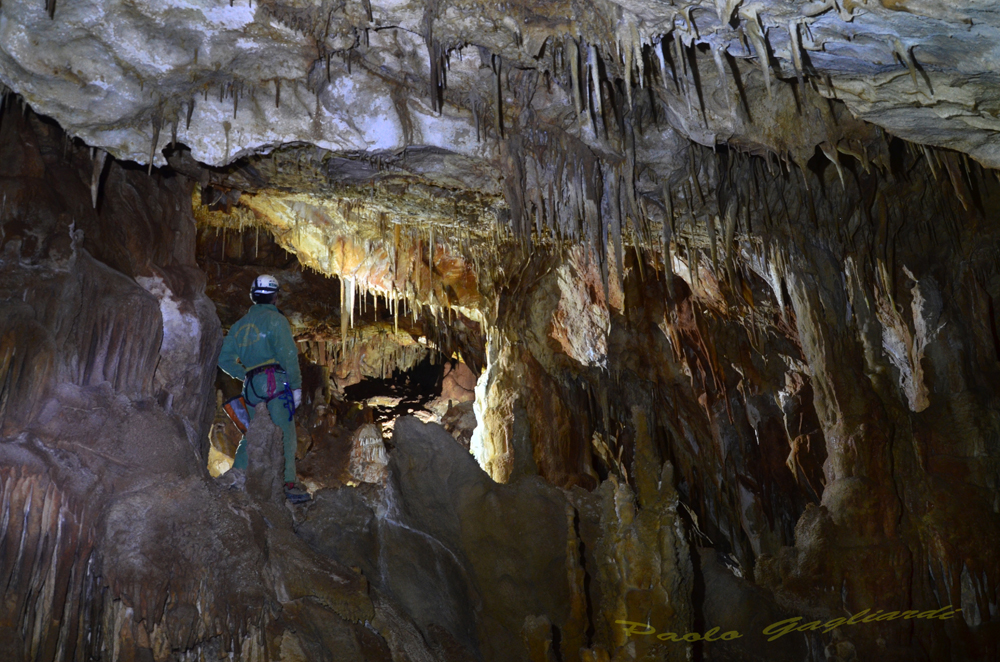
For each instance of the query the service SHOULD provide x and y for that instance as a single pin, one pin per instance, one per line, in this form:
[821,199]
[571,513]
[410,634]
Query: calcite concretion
[368,457]
[377,77]
[581,321]
[356,242]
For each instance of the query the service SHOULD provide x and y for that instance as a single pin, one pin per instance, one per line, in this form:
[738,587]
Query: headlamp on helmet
[264,289]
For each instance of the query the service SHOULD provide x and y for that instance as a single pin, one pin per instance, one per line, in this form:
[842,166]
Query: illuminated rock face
[230,80]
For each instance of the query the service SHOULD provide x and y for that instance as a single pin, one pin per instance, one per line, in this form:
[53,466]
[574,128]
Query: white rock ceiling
[112,71]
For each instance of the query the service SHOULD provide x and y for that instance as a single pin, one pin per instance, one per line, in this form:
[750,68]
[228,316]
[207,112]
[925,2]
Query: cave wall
[114,541]
[106,294]
[117,545]
[819,367]
[102,307]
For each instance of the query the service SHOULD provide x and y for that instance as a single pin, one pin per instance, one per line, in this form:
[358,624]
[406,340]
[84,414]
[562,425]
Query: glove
[297,397]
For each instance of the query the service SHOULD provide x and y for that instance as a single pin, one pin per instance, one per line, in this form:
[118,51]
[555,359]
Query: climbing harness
[272,383]
[288,398]
[285,393]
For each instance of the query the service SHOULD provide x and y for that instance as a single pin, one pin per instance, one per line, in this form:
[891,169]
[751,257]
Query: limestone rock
[300,573]
[341,524]
[265,458]
[368,455]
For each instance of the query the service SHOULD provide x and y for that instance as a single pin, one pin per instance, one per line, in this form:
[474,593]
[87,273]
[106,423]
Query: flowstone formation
[726,275]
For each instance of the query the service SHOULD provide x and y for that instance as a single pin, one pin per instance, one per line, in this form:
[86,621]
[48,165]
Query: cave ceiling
[363,81]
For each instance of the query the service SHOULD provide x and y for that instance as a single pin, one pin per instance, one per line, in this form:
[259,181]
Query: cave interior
[629,330]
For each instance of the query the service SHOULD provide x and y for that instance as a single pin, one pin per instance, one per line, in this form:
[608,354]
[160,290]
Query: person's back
[260,350]
[261,337]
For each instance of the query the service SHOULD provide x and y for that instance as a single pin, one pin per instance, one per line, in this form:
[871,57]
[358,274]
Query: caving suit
[261,344]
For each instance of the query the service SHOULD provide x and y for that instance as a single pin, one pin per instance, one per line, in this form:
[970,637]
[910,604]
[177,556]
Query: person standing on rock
[260,350]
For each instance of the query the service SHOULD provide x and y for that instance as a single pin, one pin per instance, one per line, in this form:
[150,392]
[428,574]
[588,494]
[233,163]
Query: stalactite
[906,57]
[627,72]
[723,80]
[759,44]
[668,228]
[344,315]
[573,56]
[497,65]
[157,123]
[691,52]
[95,178]
[729,235]
[682,79]
[693,177]
[795,45]
[595,75]
[713,250]
[831,153]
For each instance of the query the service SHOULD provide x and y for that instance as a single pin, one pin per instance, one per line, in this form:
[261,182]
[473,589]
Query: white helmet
[264,285]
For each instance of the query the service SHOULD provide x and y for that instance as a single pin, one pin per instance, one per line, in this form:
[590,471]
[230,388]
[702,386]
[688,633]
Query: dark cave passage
[403,392]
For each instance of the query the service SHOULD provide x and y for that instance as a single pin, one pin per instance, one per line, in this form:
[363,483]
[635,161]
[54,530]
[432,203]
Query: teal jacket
[262,337]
